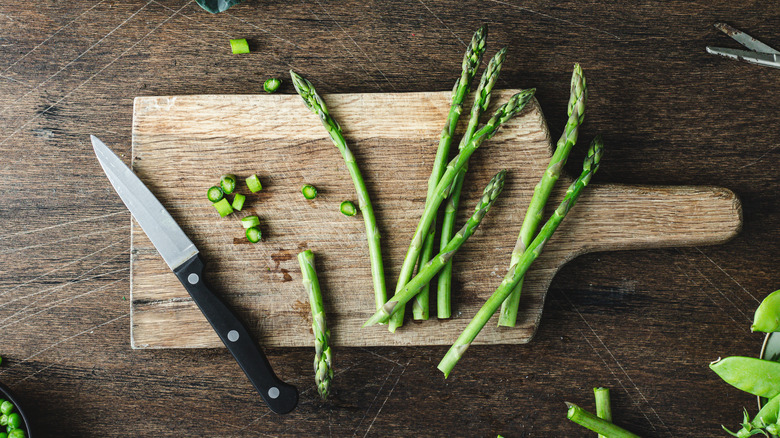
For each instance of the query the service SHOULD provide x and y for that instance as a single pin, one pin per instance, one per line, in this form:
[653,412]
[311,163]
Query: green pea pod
[767,317]
[756,376]
[768,414]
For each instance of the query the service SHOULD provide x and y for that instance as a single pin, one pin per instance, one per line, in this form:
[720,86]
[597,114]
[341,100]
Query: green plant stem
[511,108]
[596,424]
[433,266]
[471,60]
[323,368]
[315,103]
[603,405]
[533,216]
[590,166]
[481,102]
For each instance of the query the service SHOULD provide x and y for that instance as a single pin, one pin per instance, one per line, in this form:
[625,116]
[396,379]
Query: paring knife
[182,256]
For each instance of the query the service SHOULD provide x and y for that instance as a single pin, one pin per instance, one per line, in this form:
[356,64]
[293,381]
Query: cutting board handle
[612,217]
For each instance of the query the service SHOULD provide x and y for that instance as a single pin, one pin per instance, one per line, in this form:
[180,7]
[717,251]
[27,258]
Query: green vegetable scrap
[214,194]
[228,183]
[323,367]
[603,406]
[596,424]
[250,221]
[223,207]
[316,104]
[253,183]
[348,208]
[309,191]
[239,46]
[253,234]
[513,277]
[271,85]
[215,6]
[238,201]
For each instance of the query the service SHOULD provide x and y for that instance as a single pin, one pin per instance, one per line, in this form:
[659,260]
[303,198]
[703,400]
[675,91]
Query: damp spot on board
[282,256]
[286,274]
[304,311]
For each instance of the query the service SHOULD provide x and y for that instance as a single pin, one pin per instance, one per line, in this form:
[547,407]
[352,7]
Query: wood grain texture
[645,323]
[182,144]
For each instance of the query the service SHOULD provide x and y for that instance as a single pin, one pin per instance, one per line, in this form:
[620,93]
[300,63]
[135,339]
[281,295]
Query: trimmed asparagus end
[309,191]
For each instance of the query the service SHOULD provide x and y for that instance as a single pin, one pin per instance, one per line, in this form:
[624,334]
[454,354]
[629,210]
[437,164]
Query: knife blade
[183,258]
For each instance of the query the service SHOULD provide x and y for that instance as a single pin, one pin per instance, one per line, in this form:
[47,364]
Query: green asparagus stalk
[596,424]
[481,102]
[471,61]
[424,275]
[603,406]
[512,278]
[508,110]
[323,368]
[533,216]
[315,103]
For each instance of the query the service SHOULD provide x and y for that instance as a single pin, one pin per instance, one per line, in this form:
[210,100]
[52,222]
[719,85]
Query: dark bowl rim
[8,394]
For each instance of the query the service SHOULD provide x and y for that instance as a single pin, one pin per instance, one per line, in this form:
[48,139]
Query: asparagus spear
[481,102]
[424,275]
[603,407]
[512,278]
[315,103]
[471,60]
[508,110]
[533,216]
[323,369]
[596,424]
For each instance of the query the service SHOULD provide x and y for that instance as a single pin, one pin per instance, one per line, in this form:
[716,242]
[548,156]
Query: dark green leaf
[215,6]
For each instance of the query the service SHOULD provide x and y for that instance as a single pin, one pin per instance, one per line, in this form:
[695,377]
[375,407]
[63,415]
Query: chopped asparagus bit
[239,46]
[471,60]
[348,208]
[253,234]
[323,368]
[228,183]
[214,194]
[238,201]
[223,207]
[309,191]
[533,216]
[250,221]
[513,277]
[253,182]
[271,85]
[508,110]
[481,102]
[596,424]
[603,407]
[399,300]
[315,103]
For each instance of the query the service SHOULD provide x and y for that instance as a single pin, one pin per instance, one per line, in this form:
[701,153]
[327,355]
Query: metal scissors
[759,53]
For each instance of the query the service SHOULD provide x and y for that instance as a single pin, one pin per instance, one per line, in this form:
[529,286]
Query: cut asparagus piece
[238,201]
[323,368]
[481,102]
[315,103]
[239,46]
[253,182]
[253,234]
[513,277]
[309,191]
[250,221]
[603,407]
[508,110]
[271,85]
[399,300]
[533,216]
[228,183]
[471,60]
[348,208]
[214,194]
[223,207]
[596,424]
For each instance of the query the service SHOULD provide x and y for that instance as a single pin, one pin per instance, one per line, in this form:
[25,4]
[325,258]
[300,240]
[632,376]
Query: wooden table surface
[644,323]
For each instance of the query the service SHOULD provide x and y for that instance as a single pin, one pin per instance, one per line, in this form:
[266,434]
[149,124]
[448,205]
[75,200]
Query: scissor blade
[764,59]
[744,39]
[173,245]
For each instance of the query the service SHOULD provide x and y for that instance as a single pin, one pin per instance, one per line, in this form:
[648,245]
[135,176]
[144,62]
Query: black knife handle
[279,396]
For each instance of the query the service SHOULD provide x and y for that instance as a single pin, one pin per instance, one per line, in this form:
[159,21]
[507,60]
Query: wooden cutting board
[182,144]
